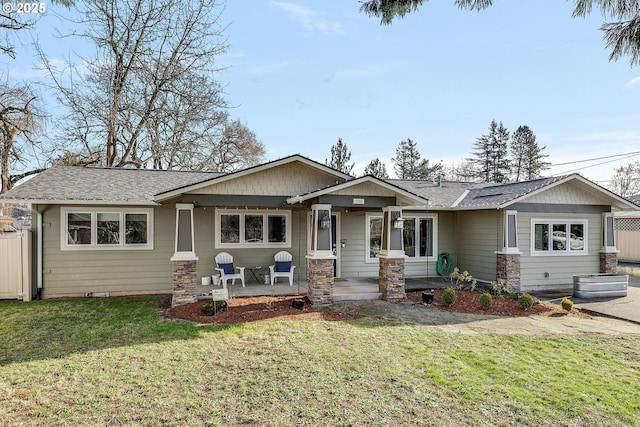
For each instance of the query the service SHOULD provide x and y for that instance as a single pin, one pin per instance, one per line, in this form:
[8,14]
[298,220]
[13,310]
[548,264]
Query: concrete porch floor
[344,289]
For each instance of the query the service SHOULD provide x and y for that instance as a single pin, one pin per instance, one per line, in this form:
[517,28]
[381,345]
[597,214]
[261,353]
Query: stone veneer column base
[508,269]
[391,279]
[320,281]
[184,282]
[608,262]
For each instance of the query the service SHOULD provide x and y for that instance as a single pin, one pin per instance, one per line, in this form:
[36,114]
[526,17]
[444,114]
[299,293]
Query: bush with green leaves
[211,308]
[449,296]
[500,287]
[567,304]
[526,301]
[486,300]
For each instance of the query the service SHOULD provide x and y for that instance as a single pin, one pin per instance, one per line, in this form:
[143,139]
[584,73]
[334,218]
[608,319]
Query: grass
[116,362]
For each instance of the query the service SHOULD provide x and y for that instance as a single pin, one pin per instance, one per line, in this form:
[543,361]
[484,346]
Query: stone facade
[320,281]
[508,269]
[608,262]
[184,282]
[391,276]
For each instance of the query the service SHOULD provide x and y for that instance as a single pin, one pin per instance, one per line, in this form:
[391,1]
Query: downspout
[39,255]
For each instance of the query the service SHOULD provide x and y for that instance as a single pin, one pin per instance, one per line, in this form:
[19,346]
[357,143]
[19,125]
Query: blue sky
[302,74]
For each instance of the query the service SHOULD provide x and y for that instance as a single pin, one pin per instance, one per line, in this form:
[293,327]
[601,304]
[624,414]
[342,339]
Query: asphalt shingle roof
[443,195]
[91,184]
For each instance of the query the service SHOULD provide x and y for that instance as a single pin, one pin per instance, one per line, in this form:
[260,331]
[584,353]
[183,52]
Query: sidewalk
[627,308]
[431,317]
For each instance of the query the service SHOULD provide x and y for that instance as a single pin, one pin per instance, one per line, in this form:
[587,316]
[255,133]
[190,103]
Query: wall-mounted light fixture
[398,222]
[343,243]
[325,222]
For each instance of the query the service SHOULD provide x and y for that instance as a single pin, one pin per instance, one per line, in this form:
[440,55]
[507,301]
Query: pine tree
[340,157]
[491,154]
[407,160]
[527,158]
[377,169]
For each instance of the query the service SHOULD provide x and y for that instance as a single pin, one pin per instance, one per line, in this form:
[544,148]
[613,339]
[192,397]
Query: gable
[569,193]
[281,180]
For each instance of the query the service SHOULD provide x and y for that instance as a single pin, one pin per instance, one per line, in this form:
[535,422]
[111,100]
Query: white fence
[15,265]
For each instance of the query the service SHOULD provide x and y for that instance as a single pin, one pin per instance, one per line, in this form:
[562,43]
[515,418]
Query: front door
[335,238]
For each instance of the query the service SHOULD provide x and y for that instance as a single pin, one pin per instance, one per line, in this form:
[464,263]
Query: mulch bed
[251,309]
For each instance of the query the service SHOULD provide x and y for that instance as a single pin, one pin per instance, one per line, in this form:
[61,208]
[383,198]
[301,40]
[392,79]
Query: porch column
[508,259]
[391,272]
[609,252]
[320,257]
[184,258]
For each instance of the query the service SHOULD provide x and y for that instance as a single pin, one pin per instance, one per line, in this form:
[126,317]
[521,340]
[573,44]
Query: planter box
[604,285]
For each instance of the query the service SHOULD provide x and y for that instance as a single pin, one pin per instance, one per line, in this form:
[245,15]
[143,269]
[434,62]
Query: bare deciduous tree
[20,121]
[149,97]
[626,180]
[238,148]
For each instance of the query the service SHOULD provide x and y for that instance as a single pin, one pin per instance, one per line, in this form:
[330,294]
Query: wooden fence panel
[628,239]
[15,266]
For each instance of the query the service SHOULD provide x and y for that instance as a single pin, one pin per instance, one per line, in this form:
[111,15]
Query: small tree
[377,169]
[626,180]
[527,160]
[340,157]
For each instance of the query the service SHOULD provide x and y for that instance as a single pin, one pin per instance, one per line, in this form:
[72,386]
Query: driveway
[626,308]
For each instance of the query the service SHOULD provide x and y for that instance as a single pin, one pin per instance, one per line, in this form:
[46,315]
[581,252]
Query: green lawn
[116,362]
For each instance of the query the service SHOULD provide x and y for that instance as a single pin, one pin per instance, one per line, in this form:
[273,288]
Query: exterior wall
[556,271]
[119,272]
[478,235]
[353,256]
[204,231]
[274,182]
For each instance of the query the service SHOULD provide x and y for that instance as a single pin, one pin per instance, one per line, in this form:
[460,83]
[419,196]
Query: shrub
[526,301]
[567,304]
[499,287]
[211,308]
[458,279]
[449,296]
[486,299]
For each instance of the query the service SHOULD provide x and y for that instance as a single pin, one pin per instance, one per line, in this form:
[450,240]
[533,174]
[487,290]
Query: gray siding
[74,273]
[560,268]
[478,235]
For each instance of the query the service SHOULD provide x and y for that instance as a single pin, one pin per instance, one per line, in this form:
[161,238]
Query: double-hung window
[246,228]
[106,228]
[418,235]
[558,237]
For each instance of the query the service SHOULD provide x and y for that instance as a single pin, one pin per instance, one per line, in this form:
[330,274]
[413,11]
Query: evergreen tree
[527,158]
[340,157]
[407,160]
[491,154]
[377,169]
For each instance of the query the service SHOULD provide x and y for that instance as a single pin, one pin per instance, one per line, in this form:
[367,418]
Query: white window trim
[405,215]
[567,251]
[242,213]
[94,211]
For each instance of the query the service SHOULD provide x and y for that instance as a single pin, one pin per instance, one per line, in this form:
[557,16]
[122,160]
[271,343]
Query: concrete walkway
[418,314]
[627,308]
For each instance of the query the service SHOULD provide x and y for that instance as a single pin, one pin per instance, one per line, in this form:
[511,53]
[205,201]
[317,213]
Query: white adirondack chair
[224,264]
[283,267]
